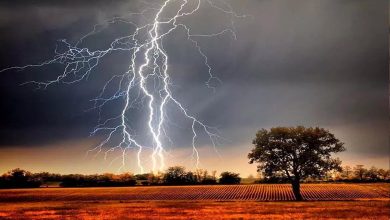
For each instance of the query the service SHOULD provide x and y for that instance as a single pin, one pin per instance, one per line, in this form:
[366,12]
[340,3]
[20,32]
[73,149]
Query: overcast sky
[302,62]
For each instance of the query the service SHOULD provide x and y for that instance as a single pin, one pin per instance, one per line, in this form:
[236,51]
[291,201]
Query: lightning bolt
[147,78]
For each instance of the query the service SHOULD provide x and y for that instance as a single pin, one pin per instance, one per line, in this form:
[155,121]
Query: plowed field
[260,192]
[326,201]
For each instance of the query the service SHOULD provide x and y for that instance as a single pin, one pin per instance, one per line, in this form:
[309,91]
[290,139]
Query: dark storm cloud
[30,30]
[316,63]
[64,3]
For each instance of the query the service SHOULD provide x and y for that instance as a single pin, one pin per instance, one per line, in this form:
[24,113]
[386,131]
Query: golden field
[265,201]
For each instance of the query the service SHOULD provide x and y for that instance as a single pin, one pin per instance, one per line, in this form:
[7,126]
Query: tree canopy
[229,178]
[295,153]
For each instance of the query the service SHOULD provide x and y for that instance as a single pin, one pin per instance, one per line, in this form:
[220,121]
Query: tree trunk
[296,186]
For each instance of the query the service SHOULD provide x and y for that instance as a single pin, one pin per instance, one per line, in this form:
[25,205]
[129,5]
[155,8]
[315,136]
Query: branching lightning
[147,79]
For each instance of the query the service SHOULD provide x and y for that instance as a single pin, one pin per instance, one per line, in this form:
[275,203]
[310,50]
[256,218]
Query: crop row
[270,192]
[260,192]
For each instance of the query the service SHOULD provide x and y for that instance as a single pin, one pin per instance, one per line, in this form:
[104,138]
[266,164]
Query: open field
[354,201]
[258,192]
[95,210]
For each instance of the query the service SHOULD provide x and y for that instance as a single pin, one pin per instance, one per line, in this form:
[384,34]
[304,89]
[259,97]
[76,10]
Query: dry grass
[114,203]
[197,210]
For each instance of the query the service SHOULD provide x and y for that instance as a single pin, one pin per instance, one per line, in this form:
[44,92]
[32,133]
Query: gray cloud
[316,63]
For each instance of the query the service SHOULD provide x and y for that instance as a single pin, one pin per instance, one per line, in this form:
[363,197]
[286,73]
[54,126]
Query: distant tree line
[177,175]
[18,178]
[358,174]
[361,174]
